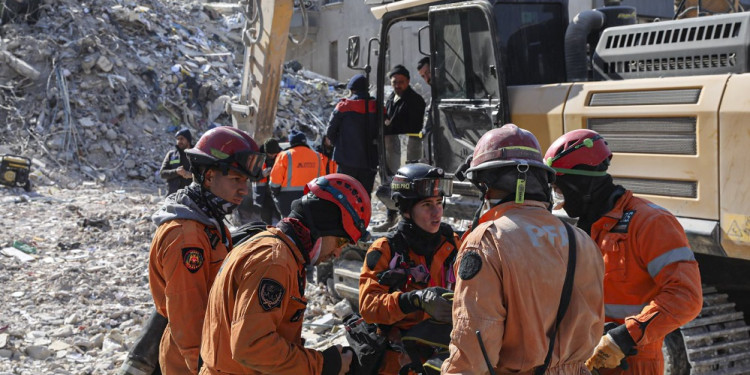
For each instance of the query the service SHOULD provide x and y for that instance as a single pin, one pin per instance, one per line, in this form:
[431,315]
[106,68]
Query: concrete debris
[93,88]
[80,305]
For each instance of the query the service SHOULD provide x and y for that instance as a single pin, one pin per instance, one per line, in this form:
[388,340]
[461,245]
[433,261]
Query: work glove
[429,300]
[607,354]
[616,336]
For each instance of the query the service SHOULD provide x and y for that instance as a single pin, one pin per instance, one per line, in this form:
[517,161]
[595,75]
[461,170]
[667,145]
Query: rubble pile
[74,274]
[94,91]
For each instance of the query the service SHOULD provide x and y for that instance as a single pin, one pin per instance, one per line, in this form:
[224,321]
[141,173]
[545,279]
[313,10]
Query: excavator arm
[265,38]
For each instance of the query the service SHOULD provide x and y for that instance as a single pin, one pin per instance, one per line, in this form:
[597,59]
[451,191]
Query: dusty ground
[78,303]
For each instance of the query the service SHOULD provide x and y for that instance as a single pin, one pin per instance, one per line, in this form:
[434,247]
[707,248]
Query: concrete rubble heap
[95,90]
[93,93]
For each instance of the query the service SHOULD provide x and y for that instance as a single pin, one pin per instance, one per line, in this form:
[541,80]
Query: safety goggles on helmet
[588,143]
[247,162]
[251,162]
[425,187]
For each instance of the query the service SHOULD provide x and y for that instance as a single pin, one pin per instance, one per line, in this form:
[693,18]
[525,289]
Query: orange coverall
[509,289]
[256,309]
[377,305]
[182,266]
[652,282]
[291,171]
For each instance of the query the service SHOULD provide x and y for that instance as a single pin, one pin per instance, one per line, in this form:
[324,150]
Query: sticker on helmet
[471,263]
[192,257]
[270,294]
[372,258]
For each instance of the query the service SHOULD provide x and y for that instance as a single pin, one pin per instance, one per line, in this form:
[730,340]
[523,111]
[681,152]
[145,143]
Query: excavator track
[717,342]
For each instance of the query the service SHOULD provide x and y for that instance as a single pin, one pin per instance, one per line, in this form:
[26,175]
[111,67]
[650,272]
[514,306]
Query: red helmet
[507,145]
[350,197]
[227,147]
[578,147]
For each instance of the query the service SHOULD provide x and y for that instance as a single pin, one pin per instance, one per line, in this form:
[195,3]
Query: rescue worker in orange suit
[422,249]
[261,196]
[191,240]
[651,284]
[256,307]
[293,168]
[512,268]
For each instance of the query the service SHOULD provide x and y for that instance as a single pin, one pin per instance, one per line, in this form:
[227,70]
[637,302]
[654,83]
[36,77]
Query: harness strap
[564,297]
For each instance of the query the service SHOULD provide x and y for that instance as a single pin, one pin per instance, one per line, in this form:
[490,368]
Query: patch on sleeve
[192,257]
[372,258]
[471,263]
[270,294]
[624,223]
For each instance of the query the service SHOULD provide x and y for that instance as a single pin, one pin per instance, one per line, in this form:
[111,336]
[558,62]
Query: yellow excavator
[671,98]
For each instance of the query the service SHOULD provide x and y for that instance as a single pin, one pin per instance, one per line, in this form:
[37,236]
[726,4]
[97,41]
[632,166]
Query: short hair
[423,61]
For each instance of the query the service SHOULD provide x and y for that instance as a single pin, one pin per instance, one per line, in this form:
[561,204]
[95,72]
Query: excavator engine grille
[703,45]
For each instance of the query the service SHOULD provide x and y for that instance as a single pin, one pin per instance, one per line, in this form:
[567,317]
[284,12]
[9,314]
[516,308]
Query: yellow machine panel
[664,134]
[539,109]
[734,167]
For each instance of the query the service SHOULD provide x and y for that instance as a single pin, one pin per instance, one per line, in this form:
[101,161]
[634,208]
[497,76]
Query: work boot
[391,220]
[133,366]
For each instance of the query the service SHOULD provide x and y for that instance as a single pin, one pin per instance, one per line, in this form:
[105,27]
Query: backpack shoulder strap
[564,296]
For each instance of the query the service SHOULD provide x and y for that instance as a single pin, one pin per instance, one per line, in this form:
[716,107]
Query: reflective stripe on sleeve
[680,254]
[289,167]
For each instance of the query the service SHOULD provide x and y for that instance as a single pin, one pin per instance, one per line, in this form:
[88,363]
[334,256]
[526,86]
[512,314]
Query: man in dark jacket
[352,129]
[176,168]
[404,115]
[261,194]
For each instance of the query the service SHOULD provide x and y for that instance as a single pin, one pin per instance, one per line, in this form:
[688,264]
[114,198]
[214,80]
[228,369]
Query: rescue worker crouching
[293,168]
[256,308]
[512,269]
[652,284]
[191,240]
[406,272]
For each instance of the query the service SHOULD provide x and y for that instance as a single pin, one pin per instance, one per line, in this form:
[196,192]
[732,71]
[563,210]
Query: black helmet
[417,181]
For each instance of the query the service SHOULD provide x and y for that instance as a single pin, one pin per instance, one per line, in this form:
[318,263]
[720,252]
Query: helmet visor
[250,162]
[426,187]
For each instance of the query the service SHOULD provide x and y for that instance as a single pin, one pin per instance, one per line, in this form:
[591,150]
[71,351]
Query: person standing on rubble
[191,240]
[528,282]
[293,168]
[261,193]
[256,307]
[175,169]
[406,272]
[352,128]
[652,284]
[404,115]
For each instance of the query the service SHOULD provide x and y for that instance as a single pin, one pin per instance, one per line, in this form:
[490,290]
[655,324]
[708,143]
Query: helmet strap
[483,188]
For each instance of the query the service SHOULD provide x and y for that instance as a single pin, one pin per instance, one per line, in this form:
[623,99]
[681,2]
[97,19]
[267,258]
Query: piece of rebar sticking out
[19,66]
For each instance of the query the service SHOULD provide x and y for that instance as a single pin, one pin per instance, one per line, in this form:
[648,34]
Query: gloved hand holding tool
[429,300]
